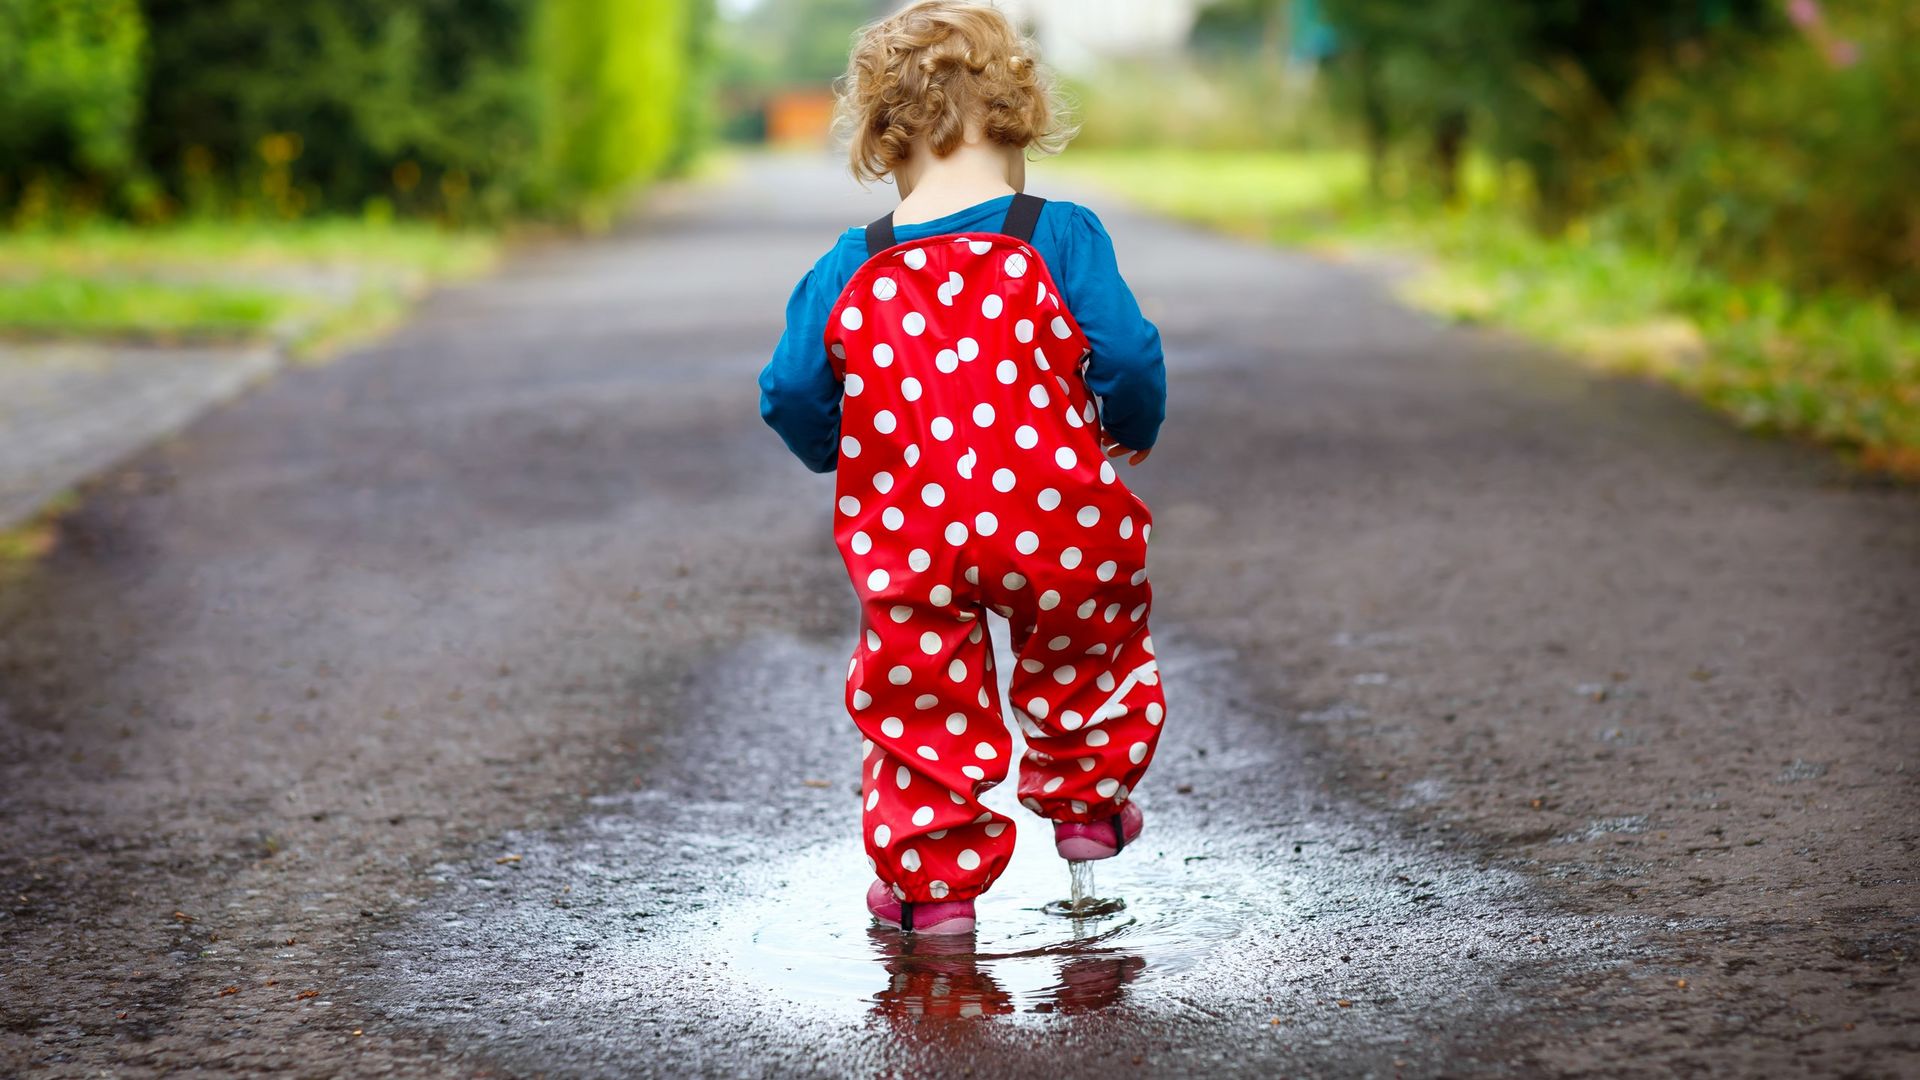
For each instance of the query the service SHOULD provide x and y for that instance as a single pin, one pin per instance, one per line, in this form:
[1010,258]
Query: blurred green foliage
[1796,162]
[69,91]
[1825,365]
[463,110]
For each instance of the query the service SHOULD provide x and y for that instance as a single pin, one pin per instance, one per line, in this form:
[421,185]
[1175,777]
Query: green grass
[302,283]
[1840,369]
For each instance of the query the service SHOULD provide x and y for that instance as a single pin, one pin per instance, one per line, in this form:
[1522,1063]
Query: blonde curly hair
[929,70]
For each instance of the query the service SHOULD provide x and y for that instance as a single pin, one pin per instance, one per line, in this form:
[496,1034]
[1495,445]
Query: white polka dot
[910,388]
[838,350]
[985,523]
[937,889]
[914,324]
[925,702]
[1006,371]
[1070,558]
[919,560]
[957,670]
[861,543]
[900,613]
[881,834]
[1049,499]
[1106,472]
[883,355]
[885,288]
[1097,737]
[957,723]
[849,446]
[973,772]
[1112,612]
[1049,600]
[854,384]
[1040,293]
[1023,331]
[1071,720]
[968,859]
[966,463]
[942,428]
[1139,576]
[956,533]
[933,494]
[947,361]
[1073,418]
[941,596]
[1026,437]
[1065,458]
[980,247]
[873,799]
[992,306]
[1087,609]
[1107,787]
[973,572]
[969,349]
[1156,712]
[877,580]
[1003,479]
[930,643]
[873,641]
[1063,674]
[892,518]
[892,728]
[1016,265]
[923,816]
[928,752]
[1014,581]
[1088,517]
[1126,530]
[983,415]
[883,482]
[1038,708]
[849,505]
[910,861]
[1106,570]
[1146,533]
[1060,328]
[862,699]
[915,259]
[1038,395]
[851,318]
[1040,361]
[1053,785]
[1027,543]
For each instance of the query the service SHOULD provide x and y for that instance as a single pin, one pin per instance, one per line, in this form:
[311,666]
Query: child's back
[968,405]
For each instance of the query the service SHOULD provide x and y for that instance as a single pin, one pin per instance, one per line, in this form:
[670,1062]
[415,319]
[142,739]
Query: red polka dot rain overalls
[970,479]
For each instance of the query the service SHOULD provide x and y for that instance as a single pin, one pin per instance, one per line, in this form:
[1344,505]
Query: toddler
[972,364]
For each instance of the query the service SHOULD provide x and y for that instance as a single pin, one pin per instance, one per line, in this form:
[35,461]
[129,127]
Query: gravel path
[465,705]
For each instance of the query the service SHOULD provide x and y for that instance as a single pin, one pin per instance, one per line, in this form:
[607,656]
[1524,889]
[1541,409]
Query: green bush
[69,92]
[452,109]
[1795,163]
[614,77]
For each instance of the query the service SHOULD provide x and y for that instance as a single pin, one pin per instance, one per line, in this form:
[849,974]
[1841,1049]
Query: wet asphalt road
[468,706]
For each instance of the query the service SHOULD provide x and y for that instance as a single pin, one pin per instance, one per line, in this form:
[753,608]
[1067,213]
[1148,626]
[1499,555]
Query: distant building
[1078,34]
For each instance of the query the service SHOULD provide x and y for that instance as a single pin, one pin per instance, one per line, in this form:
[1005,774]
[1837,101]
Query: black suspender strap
[1022,216]
[879,236]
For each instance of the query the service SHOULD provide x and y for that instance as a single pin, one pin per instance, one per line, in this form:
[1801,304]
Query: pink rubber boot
[1085,841]
[935,917]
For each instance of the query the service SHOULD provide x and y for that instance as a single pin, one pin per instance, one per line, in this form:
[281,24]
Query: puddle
[718,910]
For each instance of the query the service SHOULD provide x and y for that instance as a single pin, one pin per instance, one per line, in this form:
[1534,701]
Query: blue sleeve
[1127,370]
[799,394]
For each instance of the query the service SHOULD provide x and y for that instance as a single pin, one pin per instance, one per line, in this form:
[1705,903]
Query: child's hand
[1114,450]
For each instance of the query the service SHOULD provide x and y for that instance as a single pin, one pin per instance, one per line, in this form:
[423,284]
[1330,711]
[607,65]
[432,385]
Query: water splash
[1083,901]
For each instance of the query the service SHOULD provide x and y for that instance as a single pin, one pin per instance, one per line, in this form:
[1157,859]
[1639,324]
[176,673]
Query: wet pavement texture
[469,705]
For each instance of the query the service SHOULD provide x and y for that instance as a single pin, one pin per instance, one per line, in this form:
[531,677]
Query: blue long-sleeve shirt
[800,396]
